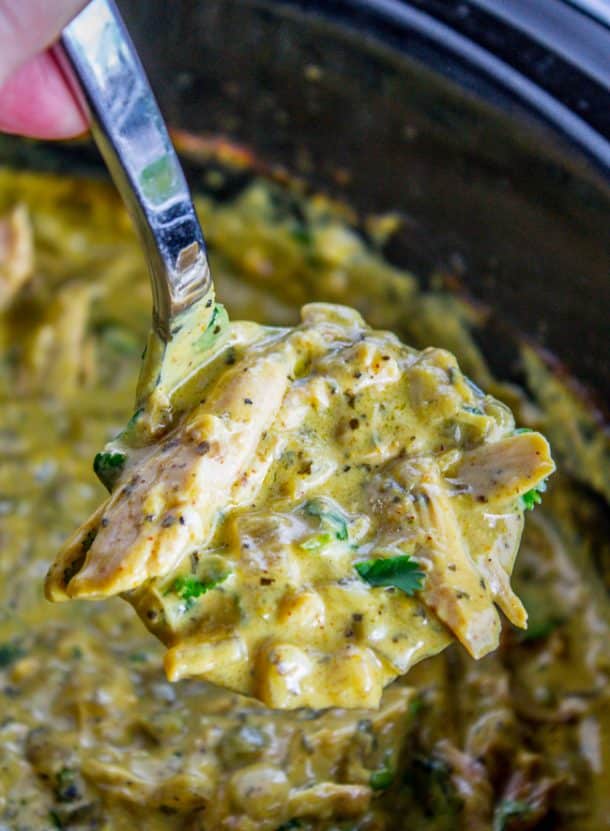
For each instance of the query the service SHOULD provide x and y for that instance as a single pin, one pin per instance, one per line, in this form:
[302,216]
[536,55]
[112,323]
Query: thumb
[28,27]
[35,99]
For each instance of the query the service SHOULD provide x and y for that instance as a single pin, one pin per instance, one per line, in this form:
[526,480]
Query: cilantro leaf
[540,627]
[139,657]
[190,588]
[66,788]
[381,778]
[533,497]
[429,780]
[402,572]
[10,652]
[301,233]
[109,467]
[55,820]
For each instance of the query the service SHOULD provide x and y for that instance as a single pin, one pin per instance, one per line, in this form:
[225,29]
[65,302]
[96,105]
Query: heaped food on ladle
[325,508]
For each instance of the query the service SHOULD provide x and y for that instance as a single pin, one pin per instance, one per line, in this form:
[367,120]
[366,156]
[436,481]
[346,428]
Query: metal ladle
[109,80]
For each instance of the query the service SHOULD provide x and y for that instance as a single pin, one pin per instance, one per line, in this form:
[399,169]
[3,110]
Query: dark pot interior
[390,120]
[488,193]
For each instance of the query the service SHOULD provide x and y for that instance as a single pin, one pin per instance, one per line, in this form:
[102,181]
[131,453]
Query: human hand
[35,99]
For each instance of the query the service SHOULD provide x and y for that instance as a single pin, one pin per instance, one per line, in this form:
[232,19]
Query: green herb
[290,825]
[302,234]
[55,820]
[66,789]
[507,809]
[109,467]
[313,543]
[402,572]
[429,780]
[138,657]
[539,629]
[415,706]
[335,521]
[190,588]
[381,778]
[533,497]
[473,410]
[217,325]
[521,430]
[65,776]
[10,652]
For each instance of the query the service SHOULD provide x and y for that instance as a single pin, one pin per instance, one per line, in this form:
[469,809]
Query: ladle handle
[131,134]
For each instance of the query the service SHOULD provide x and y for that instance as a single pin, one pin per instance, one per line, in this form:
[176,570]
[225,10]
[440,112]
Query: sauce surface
[93,736]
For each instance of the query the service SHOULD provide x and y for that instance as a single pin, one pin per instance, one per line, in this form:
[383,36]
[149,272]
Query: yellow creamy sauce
[330,509]
[93,736]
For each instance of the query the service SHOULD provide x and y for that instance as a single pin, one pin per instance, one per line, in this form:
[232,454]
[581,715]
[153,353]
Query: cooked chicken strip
[171,499]
[16,253]
[505,469]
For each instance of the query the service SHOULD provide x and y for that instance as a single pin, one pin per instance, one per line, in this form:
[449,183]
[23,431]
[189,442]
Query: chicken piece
[58,354]
[16,253]
[171,499]
[504,470]
[71,558]
[453,588]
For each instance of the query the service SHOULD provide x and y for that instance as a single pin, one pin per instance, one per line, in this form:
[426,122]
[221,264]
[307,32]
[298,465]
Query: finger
[36,102]
[27,28]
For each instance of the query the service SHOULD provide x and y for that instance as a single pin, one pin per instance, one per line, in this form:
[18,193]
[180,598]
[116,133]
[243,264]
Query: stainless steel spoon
[101,62]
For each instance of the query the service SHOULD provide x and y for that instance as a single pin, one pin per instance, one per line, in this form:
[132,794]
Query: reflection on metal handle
[131,134]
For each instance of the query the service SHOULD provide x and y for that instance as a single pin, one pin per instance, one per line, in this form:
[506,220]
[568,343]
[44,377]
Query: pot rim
[555,62]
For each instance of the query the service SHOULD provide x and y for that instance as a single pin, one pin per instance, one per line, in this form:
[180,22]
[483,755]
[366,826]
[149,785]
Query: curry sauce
[93,736]
[330,510]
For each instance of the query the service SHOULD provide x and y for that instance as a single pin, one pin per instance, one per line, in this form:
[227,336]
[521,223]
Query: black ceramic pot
[487,124]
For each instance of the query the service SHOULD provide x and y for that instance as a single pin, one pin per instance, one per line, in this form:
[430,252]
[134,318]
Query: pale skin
[35,99]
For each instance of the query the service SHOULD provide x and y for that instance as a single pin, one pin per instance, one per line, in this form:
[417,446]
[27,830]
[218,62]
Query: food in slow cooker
[92,735]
